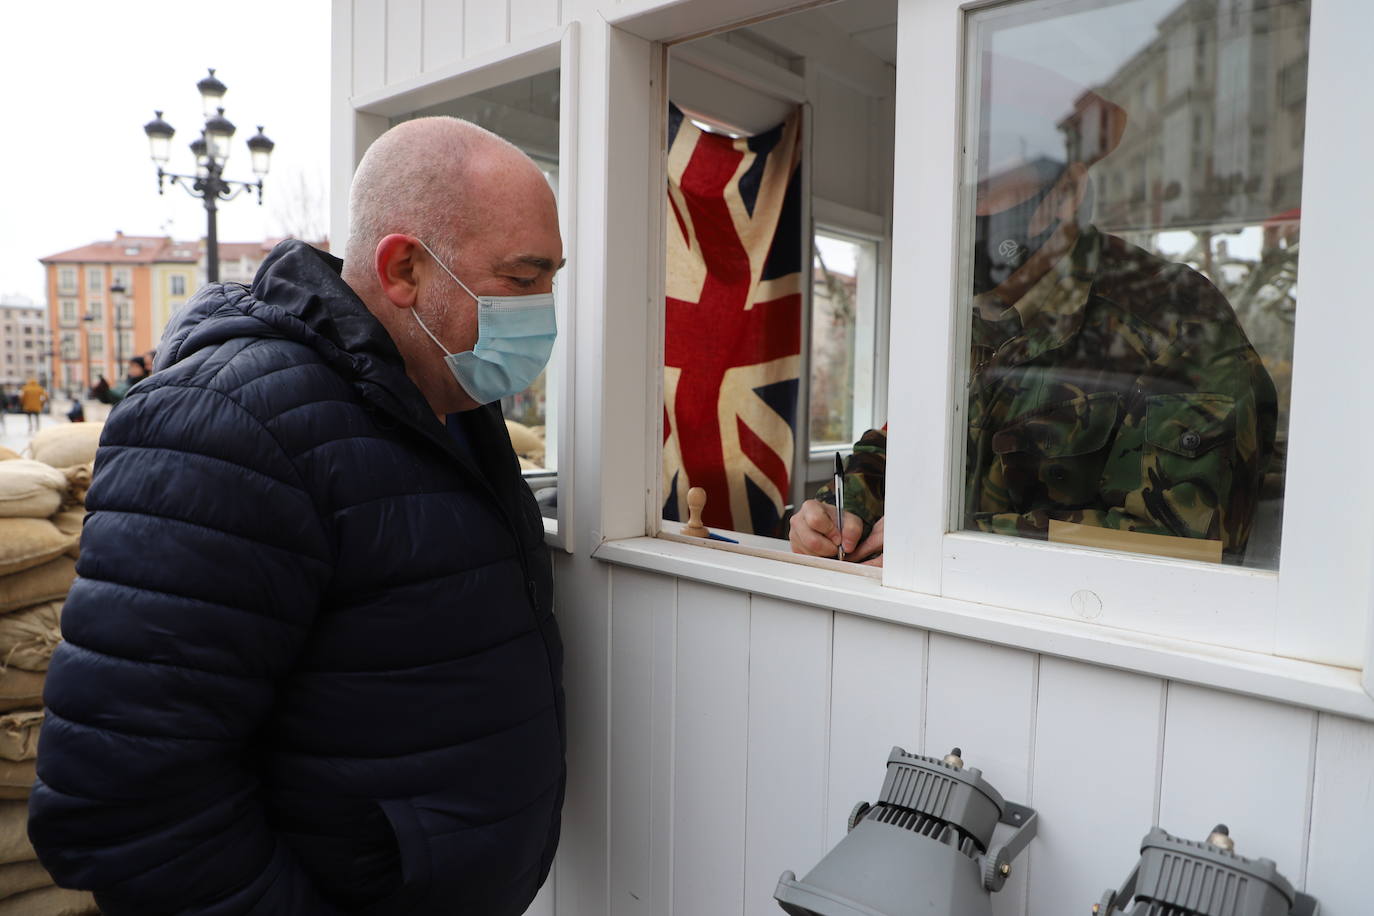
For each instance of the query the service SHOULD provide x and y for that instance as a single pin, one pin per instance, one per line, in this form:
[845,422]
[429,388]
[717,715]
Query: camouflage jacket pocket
[1187,473]
[1078,426]
[1049,457]
[1189,425]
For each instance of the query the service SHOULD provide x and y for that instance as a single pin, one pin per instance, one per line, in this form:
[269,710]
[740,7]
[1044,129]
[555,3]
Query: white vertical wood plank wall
[718,737]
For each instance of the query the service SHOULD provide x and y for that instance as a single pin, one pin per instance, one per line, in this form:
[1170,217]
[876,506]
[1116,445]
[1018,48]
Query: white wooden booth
[727,708]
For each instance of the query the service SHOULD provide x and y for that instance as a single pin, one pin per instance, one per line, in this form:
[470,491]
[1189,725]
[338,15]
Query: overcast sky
[80,78]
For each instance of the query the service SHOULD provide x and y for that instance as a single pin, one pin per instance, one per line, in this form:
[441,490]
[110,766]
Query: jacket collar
[1049,314]
[299,294]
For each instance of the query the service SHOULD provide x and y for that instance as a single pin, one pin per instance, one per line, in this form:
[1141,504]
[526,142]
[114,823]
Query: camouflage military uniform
[1119,392]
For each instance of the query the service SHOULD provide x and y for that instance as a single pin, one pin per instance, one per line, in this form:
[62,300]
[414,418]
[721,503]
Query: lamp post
[46,376]
[90,366]
[120,302]
[211,150]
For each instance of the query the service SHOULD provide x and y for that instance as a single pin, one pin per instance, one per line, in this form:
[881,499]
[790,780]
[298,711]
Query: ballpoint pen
[839,500]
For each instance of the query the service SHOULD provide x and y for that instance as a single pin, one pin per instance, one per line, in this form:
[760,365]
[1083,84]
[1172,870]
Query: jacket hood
[298,294]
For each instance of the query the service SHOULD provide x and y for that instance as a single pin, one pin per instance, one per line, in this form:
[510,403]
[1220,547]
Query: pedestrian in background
[33,397]
[137,372]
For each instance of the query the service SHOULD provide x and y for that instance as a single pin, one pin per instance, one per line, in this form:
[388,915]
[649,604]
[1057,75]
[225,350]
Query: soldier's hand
[814,533]
[870,552]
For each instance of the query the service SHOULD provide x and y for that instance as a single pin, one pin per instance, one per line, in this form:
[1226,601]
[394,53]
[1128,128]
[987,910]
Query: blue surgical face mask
[515,336]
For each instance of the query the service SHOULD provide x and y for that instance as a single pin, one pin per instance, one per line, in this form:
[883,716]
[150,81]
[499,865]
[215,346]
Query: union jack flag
[732,341]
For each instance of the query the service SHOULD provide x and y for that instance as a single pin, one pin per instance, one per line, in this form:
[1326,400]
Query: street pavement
[15,435]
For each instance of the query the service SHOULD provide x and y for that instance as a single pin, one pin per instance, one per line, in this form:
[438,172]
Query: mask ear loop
[446,270]
[416,316]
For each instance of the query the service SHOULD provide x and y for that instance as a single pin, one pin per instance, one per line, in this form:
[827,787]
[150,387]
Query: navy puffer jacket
[310,663]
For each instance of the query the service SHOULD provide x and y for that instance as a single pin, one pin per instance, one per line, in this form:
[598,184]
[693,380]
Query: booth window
[525,113]
[1130,237]
[779,158]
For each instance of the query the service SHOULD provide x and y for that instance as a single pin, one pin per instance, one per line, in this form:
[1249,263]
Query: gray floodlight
[1177,877]
[923,849]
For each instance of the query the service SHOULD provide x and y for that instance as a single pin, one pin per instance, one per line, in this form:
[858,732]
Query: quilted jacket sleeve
[200,572]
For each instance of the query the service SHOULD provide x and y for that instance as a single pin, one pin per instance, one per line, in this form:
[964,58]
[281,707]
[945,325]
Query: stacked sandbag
[528,444]
[66,445]
[42,505]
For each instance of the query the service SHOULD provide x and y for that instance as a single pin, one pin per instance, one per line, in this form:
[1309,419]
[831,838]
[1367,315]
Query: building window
[66,279]
[95,280]
[122,278]
[96,341]
[96,310]
[70,350]
[68,313]
[178,285]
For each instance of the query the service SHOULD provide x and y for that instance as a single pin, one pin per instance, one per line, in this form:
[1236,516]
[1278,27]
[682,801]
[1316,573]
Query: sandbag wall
[42,504]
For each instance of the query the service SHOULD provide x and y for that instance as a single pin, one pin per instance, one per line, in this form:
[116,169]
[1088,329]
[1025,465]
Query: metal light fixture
[200,151]
[1177,877]
[925,847]
[219,130]
[160,135]
[260,150]
[211,150]
[211,93]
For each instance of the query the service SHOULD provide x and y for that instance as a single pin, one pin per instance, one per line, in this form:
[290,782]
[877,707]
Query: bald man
[310,664]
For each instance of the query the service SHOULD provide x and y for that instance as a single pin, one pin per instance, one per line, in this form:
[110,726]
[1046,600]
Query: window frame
[1306,609]
[367,117]
[830,218]
[625,517]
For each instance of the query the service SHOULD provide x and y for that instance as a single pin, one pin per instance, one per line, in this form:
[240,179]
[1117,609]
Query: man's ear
[395,262]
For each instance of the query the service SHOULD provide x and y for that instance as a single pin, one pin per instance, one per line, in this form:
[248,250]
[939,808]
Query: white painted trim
[632,298]
[923,232]
[1130,591]
[1326,574]
[739,66]
[835,54]
[522,58]
[679,20]
[1323,687]
[830,214]
[566,346]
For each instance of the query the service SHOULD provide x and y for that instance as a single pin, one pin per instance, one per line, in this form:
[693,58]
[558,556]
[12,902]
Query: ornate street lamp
[89,318]
[211,150]
[120,301]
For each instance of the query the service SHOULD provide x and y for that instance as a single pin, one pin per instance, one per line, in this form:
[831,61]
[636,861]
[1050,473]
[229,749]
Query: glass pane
[525,113]
[844,304]
[1131,199]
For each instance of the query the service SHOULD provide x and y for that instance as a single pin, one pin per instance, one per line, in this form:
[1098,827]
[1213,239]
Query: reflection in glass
[1132,194]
